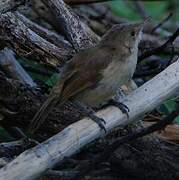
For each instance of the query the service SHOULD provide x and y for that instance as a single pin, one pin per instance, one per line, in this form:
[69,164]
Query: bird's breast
[115,75]
[118,73]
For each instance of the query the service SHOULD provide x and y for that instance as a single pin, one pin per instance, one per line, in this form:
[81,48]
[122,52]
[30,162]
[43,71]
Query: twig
[109,149]
[44,14]
[20,100]
[159,49]
[12,67]
[150,42]
[14,148]
[79,34]
[172,56]
[103,11]
[50,36]
[140,9]
[10,5]
[162,22]
[16,33]
[60,174]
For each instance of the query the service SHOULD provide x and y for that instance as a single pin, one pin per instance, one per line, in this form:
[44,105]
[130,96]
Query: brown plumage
[93,75]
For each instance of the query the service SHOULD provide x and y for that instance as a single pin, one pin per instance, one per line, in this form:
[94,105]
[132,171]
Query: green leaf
[52,80]
[167,107]
[126,9]
[120,8]
[38,76]
[176,121]
[36,66]
[156,9]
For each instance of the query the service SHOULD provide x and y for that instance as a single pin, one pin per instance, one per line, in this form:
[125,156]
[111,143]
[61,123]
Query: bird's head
[123,37]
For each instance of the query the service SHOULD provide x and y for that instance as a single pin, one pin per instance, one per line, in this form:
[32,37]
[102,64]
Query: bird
[92,77]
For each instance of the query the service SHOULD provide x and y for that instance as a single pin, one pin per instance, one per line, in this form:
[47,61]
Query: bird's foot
[89,112]
[120,105]
[100,121]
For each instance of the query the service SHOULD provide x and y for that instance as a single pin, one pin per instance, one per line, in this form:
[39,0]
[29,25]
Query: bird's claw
[124,109]
[89,112]
[121,106]
[100,121]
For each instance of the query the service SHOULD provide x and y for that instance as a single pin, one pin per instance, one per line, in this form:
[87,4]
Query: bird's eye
[132,33]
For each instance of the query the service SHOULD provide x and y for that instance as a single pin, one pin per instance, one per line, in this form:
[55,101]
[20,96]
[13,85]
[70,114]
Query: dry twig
[159,49]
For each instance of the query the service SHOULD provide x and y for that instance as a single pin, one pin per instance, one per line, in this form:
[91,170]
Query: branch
[60,174]
[20,99]
[162,22]
[13,148]
[50,36]
[140,9]
[34,162]
[110,148]
[159,49]
[78,33]
[44,13]
[10,5]
[12,67]
[16,33]
[152,42]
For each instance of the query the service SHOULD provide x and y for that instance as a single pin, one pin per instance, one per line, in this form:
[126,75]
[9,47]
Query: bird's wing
[82,72]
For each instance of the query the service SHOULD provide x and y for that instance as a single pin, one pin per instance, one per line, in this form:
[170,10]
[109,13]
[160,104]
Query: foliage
[155,9]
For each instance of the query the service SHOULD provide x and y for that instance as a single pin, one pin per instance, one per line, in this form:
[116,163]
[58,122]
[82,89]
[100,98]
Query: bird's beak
[140,25]
[144,22]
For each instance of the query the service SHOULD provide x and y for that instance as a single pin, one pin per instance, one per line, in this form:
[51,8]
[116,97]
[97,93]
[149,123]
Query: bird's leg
[118,104]
[89,112]
[120,95]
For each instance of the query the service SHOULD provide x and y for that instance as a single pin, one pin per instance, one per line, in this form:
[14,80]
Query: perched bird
[92,77]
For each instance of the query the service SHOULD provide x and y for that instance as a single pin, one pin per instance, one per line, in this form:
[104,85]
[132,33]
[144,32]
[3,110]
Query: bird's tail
[42,113]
